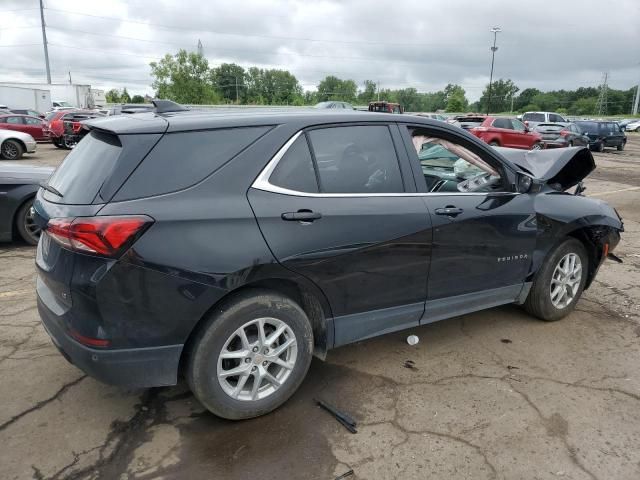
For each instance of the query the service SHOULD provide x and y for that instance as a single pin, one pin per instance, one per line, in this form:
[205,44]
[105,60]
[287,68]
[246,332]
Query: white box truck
[26,98]
[63,94]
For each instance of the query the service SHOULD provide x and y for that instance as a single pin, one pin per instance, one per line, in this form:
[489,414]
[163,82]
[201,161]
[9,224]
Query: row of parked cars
[20,129]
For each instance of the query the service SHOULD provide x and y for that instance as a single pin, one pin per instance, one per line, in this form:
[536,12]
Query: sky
[424,44]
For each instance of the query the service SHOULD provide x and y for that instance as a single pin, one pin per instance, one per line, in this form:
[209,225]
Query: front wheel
[620,147]
[559,283]
[251,355]
[600,147]
[536,146]
[11,150]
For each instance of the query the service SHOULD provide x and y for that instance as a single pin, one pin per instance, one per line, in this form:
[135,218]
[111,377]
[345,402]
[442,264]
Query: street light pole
[495,31]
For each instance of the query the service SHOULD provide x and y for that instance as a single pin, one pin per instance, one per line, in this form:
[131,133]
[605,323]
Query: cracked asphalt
[495,394]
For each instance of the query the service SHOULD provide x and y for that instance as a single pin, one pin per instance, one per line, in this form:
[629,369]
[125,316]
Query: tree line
[186,77]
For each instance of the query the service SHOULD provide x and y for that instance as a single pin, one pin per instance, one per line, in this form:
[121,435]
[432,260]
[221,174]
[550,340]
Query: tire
[600,147]
[536,146]
[11,150]
[571,143]
[205,367]
[58,142]
[27,228]
[539,302]
[494,144]
[638,129]
[620,147]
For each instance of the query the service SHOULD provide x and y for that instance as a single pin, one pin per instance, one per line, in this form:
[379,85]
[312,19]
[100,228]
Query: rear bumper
[130,367]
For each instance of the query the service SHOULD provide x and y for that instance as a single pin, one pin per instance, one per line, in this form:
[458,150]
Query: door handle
[449,210]
[301,216]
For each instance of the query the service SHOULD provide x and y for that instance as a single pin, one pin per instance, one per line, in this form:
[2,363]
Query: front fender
[561,215]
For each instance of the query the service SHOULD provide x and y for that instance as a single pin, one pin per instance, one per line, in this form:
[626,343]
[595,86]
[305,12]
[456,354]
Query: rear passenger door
[338,205]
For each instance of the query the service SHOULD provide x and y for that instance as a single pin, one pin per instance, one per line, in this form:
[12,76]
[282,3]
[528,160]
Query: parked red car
[507,132]
[54,125]
[34,126]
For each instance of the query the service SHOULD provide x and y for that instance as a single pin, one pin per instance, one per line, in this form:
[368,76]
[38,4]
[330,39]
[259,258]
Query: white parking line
[610,192]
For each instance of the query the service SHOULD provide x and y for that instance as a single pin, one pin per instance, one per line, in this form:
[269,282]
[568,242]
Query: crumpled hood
[562,166]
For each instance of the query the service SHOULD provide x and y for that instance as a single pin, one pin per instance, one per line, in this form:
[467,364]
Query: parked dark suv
[603,135]
[231,247]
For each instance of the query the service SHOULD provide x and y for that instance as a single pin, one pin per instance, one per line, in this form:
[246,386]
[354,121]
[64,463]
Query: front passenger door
[483,240]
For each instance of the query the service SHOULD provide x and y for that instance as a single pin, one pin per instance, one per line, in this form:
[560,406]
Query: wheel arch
[304,293]
[594,238]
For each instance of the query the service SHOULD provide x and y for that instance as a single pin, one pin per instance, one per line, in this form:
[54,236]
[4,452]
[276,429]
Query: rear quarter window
[182,159]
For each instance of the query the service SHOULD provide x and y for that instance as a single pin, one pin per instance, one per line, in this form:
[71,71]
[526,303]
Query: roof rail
[166,106]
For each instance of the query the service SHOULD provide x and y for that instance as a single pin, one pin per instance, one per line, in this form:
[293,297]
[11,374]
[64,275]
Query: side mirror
[524,182]
[526,123]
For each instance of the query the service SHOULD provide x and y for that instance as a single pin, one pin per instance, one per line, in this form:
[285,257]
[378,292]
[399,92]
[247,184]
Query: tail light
[76,127]
[564,133]
[104,236]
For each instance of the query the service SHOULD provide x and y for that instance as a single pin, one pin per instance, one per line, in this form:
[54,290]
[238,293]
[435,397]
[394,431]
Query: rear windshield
[533,117]
[85,169]
[50,116]
[549,127]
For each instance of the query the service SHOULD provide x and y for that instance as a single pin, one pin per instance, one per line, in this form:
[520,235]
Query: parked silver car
[14,144]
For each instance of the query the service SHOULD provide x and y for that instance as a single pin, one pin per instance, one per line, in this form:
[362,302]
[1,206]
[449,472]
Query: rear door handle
[301,216]
[450,211]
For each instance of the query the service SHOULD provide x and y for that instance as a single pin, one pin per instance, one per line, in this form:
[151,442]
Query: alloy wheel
[30,226]
[9,150]
[565,280]
[257,359]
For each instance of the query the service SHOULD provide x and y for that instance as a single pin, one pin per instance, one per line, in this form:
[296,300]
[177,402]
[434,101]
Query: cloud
[109,43]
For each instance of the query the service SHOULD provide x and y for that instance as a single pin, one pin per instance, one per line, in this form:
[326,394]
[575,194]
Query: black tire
[538,302]
[600,147]
[494,144]
[58,142]
[536,146]
[219,327]
[25,225]
[620,147]
[11,150]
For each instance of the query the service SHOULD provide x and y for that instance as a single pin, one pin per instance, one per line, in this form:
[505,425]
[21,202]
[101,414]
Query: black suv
[603,134]
[231,247]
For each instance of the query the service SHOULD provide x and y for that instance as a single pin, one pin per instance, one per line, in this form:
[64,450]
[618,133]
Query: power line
[275,37]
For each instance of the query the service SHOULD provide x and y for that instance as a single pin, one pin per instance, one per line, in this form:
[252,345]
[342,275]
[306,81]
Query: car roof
[151,122]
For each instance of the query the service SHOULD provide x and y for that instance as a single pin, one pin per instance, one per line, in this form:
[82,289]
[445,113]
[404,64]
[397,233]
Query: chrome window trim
[262,183]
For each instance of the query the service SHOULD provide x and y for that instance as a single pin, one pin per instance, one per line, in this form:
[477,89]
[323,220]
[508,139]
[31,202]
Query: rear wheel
[494,144]
[26,225]
[536,146]
[251,355]
[559,283]
[57,141]
[11,150]
[600,147]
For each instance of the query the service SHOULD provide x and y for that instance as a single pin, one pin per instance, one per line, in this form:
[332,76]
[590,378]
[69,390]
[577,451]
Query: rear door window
[502,123]
[182,159]
[295,170]
[356,159]
[85,169]
[14,120]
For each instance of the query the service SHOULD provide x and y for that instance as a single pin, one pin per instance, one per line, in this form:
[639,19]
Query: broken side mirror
[524,182]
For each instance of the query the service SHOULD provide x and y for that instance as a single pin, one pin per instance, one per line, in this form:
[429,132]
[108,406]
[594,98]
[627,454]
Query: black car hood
[24,174]
[565,167]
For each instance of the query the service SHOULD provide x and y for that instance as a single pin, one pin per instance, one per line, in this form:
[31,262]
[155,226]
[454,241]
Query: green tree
[334,88]
[501,93]
[137,99]
[525,98]
[125,97]
[583,106]
[112,96]
[185,78]
[456,98]
[368,94]
[229,80]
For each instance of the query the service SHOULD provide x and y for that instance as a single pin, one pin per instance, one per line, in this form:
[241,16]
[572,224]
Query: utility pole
[70,82]
[495,31]
[637,100]
[236,90]
[511,110]
[601,106]
[200,48]
[44,42]
[378,88]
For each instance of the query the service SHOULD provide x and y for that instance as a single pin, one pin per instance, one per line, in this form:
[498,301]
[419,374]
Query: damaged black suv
[230,248]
